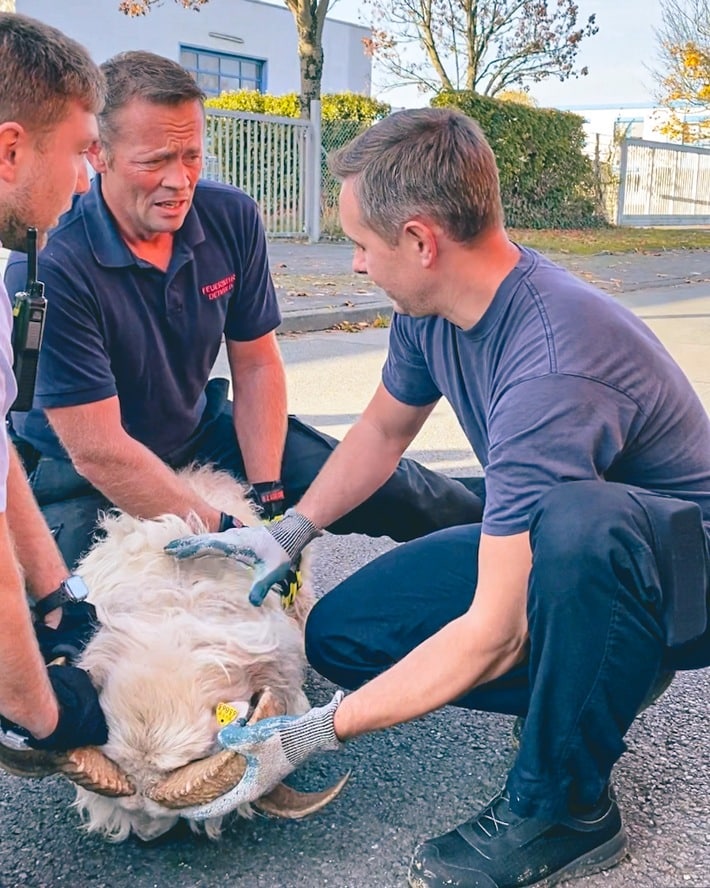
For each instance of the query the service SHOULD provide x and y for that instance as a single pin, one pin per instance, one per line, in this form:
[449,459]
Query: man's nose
[177,175]
[83,182]
[359,265]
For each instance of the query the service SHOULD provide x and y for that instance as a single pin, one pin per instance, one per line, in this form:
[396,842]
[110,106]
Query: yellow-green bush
[335,106]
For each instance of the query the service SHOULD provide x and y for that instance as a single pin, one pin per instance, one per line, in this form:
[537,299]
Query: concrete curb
[317,319]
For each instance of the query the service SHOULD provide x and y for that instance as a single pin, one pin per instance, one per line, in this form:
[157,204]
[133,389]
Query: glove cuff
[314,732]
[293,532]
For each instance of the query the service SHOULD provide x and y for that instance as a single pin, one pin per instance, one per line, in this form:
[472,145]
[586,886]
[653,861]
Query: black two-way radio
[28,313]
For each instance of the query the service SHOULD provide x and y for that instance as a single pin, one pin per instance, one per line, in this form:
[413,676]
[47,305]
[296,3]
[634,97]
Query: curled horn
[87,766]
[205,780]
[284,801]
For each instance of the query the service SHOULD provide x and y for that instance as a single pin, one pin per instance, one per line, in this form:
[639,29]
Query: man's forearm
[358,466]
[260,421]
[26,696]
[137,481]
[37,552]
[440,670]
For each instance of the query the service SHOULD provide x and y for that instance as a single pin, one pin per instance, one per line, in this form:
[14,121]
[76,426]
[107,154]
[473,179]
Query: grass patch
[588,242]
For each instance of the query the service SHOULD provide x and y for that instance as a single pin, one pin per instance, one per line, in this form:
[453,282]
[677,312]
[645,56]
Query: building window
[218,72]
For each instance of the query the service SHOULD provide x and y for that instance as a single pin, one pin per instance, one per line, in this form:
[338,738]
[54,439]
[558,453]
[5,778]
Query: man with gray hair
[586,583]
[50,91]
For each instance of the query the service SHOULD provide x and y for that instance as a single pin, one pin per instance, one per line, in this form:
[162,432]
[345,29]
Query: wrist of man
[313,732]
[270,497]
[293,532]
[71,590]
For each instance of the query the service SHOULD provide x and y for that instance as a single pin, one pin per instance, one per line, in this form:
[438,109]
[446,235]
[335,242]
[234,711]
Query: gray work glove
[269,549]
[273,748]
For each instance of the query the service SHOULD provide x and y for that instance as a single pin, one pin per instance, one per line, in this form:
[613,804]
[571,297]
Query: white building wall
[268,33]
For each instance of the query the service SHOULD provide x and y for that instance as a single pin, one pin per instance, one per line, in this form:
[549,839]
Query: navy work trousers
[413,502]
[596,629]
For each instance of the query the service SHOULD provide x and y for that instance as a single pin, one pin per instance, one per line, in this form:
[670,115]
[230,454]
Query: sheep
[176,639]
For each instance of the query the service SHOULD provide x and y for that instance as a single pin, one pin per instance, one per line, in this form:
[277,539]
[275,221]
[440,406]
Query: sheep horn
[87,766]
[284,801]
[206,779]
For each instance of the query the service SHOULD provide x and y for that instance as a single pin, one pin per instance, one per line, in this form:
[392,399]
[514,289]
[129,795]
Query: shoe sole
[601,858]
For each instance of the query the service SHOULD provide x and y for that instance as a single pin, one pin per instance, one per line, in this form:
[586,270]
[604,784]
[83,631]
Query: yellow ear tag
[226,713]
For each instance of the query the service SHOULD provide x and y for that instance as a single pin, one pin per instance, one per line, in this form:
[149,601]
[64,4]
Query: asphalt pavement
[423,778]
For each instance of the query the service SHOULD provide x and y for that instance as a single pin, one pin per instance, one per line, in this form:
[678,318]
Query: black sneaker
[499,849]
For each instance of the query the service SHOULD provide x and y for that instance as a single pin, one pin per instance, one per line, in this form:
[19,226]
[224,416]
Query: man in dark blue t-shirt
[144,276]
[587,582]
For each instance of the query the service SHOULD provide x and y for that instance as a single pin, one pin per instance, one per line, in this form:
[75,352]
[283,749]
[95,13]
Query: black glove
[269,496]
[81,721]
[78,626]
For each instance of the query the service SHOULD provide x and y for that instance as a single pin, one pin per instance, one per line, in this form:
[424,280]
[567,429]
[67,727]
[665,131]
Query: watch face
[76,587]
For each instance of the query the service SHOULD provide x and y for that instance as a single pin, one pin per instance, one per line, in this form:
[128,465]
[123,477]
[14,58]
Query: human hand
[270,550]
[252,546]
[273,748]
[81,720]
[76,628]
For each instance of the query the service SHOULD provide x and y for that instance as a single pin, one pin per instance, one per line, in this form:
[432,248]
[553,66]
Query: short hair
[432,162]
[138,74]
[41,72]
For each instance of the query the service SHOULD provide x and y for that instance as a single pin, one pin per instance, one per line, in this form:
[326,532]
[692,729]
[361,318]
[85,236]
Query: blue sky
[615,56]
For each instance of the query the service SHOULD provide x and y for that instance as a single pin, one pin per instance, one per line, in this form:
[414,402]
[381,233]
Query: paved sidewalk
[317,288]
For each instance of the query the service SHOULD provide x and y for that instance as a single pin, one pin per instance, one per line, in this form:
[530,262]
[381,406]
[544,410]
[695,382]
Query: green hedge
[546,179]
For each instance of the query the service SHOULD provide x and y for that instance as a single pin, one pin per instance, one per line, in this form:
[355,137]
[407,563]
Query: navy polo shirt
[117,325]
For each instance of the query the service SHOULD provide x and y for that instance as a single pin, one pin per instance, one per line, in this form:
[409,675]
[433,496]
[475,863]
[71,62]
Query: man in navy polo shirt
[144,276]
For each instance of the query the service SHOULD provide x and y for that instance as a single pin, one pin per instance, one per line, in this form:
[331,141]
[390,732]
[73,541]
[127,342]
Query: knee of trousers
[587,522]
[332,649]
[319,636]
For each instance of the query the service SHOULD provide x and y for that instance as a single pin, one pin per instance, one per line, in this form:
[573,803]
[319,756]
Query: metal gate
[272,159]
[663,184]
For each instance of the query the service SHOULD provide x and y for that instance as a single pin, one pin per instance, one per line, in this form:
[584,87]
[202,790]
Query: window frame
[225,82]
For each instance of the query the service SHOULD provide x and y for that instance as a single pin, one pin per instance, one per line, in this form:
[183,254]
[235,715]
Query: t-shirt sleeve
[545,431]
[405,374]
[74,366]
[253,309]
[8,389]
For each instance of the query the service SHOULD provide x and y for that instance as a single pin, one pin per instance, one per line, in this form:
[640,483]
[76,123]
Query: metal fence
[663,184]
[273,159]
[282,163]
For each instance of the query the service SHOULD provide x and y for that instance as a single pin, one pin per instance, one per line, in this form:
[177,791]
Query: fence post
[622,181]
[313,181]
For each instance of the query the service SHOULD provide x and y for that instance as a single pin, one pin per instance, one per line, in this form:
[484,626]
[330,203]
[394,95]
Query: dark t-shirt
[557,382]
[117,325]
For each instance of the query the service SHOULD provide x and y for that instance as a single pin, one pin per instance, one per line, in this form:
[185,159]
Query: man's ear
[14,141]
[421,236]
[98,157]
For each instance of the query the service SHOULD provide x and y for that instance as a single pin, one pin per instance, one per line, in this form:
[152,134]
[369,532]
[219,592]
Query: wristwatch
[72,589]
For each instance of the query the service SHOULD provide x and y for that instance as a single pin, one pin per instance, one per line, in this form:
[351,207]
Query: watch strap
[71,590]
[55,599]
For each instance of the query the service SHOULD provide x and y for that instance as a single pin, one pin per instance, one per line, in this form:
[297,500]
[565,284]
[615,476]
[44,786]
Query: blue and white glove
[270,550]
[273,748]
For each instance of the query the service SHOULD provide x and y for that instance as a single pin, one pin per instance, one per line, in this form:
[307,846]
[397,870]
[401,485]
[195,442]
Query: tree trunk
[309,16]
[311,60]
